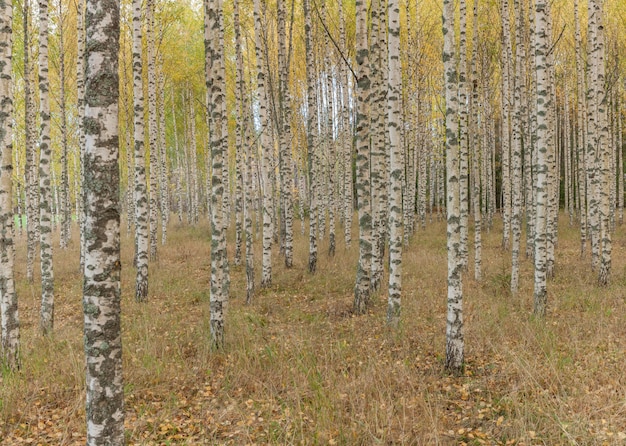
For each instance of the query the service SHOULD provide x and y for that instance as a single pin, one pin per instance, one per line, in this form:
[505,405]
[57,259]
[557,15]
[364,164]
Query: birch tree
[9,322]
[45,160]
[362,289]
[101,287]
[32,195]
[396,164]
[266,148]
[152,129]
[214,44]
[454,328]
[141,193]
[311,130]
[542,104]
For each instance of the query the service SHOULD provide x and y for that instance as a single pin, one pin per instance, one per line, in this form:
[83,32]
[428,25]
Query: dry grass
[301,369]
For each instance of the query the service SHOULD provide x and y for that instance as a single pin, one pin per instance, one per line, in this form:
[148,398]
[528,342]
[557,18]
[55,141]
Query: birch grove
[283,132]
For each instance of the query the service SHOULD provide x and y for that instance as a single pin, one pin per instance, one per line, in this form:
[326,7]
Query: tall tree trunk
[477,156]
[45,160]
[66,222]
[543,99]
[214,44]
[240,160]
[516,148]
[311,129]
[581,150]
[602,144]
[141,193]
[397,166]
[152,128]
[506,123]
[362,289]
[464,136]
[347,135]
[266,148]
[286,174]
[378,132]
[32,195]
[244,157]
[80,87]
[454,330]
[101,288]
[9,322]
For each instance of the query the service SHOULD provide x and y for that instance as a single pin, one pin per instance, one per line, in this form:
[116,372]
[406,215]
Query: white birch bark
[603,146]
[266,148]
[397,166]
[362,289]
[32,208]
[311,129]
[45,160]
[141,193]
[152,129]
[454,328]
[541,165]
[9,317]
[64,197]
[477,153]
[286,173]
[101,289]
[516,150]
[80,93]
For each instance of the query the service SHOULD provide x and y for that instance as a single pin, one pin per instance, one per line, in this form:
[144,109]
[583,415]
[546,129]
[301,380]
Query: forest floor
[300,368]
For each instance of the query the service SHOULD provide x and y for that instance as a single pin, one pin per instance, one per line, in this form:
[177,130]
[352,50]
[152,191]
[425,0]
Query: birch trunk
[397,166]
[45,160]
[362,289]
[65,186]
[32,195]
[152,128]
[141,193]
[101,288]
[266,148]
[286,174]
[214,43]
[311,129]
[80,87]
[9,317]
[541,165]
[454,327]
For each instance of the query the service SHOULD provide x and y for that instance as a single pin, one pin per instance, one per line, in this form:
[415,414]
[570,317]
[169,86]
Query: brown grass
[299,368]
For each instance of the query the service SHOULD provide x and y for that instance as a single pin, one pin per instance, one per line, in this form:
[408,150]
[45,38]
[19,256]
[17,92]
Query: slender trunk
[80,87]
[152,128]
[266,148]
[31,195]
[141,193]
[454,329]
[9,317]
[286,174]
[311,129]
[541,165]
[65,186]
[45,160]
[476,153]
[397,166]
[362,289]
[464,136]
[164,195]
[516,149]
